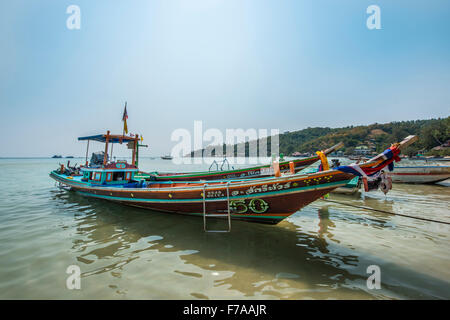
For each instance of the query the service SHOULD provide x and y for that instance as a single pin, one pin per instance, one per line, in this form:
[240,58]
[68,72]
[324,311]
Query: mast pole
[137,153]
[134,150]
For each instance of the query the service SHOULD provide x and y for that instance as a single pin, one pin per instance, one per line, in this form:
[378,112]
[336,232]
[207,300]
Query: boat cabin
[115,173]
[101,171]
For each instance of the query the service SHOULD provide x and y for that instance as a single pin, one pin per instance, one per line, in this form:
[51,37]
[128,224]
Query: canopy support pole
[87,152]
[106,148]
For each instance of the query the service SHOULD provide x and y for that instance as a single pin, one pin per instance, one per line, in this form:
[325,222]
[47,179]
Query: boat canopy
[131,140]
[112,138]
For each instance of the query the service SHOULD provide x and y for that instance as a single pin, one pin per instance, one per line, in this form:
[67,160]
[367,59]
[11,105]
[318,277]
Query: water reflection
[325,223]
[253,260]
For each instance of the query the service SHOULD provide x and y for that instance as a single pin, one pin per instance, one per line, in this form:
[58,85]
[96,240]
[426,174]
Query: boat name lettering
[263,188]
[214,194]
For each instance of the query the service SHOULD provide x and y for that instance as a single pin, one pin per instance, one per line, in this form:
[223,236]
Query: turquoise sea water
[321,252]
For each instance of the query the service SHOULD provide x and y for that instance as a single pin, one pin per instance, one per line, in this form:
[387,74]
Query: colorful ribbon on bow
[389,155]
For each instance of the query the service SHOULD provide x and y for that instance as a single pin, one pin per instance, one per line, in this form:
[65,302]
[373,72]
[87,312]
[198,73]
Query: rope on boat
[387,212]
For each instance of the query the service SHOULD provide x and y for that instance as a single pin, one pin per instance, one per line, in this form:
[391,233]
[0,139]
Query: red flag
[124,119]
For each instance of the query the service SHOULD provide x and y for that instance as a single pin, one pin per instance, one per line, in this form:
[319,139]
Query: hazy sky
[285,64]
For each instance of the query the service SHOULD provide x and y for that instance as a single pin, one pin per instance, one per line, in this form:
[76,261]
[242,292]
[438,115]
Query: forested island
[434,138]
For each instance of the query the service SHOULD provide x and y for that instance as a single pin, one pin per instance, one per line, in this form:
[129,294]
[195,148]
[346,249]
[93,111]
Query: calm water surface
[321,252]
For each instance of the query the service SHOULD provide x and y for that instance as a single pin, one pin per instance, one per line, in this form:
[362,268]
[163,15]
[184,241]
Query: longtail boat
[266,200]
[420,174]
[250,172]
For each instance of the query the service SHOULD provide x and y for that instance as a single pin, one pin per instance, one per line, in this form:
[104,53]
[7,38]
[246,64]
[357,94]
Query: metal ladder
[205,215]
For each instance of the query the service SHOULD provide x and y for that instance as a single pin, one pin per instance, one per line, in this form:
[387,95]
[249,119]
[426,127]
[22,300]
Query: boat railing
[224,161]
[214,163]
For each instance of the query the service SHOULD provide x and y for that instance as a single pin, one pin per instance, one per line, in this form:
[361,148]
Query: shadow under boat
[273,251]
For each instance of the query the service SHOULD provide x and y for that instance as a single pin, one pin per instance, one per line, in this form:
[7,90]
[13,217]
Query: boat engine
[97,158]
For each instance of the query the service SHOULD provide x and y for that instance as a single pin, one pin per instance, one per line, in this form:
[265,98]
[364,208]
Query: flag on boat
[124,119]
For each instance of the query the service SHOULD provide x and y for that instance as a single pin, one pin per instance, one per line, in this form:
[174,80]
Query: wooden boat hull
[260,200]
[420,174]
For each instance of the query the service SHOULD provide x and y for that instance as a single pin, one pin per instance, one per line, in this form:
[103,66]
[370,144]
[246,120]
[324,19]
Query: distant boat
[437,158]
[57,156]
[298,154]
[420,174]
[361,158]
[166,157]
[69,157]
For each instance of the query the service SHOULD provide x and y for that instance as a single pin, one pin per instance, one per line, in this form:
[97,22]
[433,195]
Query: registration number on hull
[253,205]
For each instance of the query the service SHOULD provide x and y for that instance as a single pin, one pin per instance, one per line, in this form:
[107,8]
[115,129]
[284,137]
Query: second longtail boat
[251,172]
